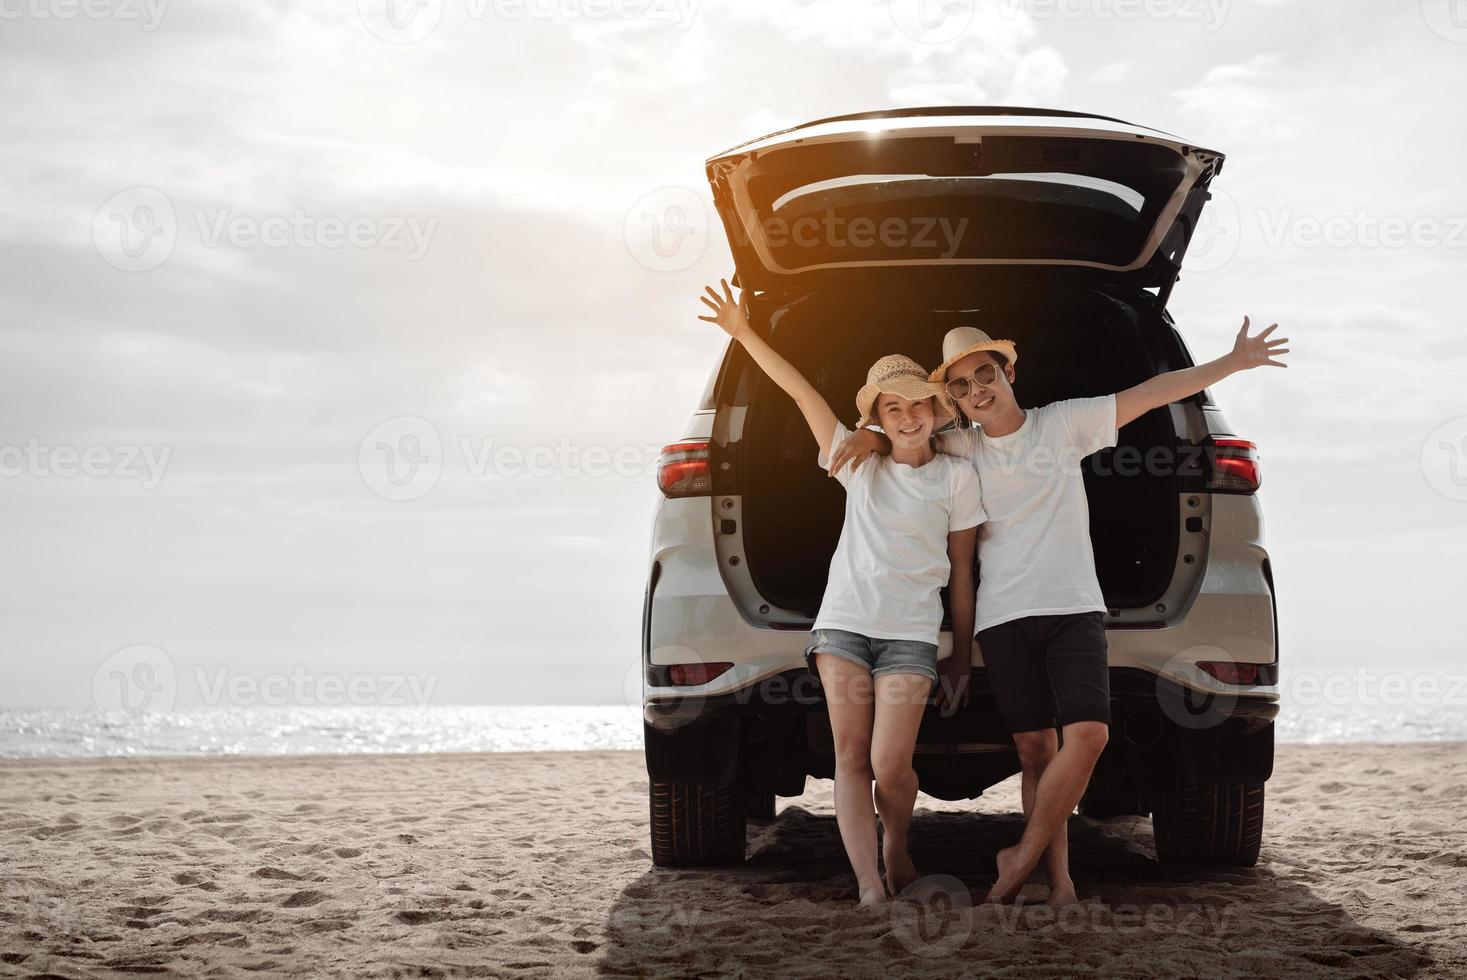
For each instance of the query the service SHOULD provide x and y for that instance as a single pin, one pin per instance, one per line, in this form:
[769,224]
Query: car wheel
[694,824]
[1219,825]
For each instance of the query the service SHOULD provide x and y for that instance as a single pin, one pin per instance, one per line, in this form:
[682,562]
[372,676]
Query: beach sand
[536,864]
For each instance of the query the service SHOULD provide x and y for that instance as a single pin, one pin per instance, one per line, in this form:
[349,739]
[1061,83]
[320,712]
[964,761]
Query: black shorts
[1048,671]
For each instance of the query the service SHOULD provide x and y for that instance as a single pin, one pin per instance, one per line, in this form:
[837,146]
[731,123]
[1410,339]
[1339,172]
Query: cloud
[1240,101]
[1113,73]
[529,321]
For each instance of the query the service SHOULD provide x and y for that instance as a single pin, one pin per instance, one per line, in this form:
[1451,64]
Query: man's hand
[1248,352]
[857,447]
[727,313]
[1251,352]
[954,675]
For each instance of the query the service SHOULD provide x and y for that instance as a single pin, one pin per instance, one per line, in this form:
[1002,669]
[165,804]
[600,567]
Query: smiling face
[908,424]
[989,390]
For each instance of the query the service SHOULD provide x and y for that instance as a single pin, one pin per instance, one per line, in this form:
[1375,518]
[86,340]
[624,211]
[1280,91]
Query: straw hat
[962,341]
[895,374]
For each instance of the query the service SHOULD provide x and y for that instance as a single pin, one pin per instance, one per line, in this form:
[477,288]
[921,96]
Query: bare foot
[872,895]
[900,871]
[1062,892]
[1006,888]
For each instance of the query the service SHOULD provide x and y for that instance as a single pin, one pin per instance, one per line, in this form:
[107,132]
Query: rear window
[931,199]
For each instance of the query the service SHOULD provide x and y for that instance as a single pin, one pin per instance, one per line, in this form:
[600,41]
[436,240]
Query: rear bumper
[776,733]
[1133,692]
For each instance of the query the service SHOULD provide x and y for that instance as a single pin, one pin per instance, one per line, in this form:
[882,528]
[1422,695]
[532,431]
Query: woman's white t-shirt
[1035,553]
[892,557]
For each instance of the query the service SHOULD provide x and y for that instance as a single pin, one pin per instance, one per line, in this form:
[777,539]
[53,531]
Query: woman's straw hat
[962,341]
[895,374]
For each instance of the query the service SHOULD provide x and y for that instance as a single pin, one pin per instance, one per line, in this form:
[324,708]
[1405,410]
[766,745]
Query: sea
[91,733]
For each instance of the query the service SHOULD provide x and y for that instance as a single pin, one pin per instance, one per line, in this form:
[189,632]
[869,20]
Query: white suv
[872,234]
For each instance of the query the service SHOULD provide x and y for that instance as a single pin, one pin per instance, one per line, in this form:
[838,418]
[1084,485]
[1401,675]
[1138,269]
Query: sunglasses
[984,377]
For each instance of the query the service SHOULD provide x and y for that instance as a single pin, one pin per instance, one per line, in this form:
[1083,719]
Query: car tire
[696,825]
[1218,826]
[1098,805]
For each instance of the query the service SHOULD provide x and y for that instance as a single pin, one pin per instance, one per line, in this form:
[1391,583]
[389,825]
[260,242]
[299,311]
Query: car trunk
[848,233]
[1074,342]
[976,189]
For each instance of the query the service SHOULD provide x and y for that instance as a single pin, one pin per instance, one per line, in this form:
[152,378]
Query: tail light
[682,470]
[1235,466]
[1245,675]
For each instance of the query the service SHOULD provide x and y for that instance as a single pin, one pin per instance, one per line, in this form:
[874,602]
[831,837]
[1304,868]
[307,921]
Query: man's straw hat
[962,341]
[895,374]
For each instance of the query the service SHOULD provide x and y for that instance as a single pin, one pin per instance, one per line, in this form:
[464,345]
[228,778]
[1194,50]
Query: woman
[910,527]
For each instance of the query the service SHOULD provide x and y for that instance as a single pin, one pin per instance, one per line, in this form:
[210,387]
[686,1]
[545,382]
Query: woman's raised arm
[730,316]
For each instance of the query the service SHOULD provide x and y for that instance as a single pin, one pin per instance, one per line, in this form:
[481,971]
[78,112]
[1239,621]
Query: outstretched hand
[727,313]
[1252,352]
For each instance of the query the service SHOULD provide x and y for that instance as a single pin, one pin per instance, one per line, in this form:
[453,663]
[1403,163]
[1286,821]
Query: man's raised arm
[1248,352]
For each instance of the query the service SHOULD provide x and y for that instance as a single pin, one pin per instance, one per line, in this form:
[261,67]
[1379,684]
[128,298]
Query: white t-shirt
[892,556]
[1034,551]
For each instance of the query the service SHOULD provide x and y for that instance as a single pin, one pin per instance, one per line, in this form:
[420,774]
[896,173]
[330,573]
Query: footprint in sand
[232,915]
[280,874]
[304,899]
[43,833]
[214,937]
[128,964]
[140,923]
[135,911]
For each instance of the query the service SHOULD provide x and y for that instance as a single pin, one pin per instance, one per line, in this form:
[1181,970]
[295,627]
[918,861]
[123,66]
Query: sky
[337,340]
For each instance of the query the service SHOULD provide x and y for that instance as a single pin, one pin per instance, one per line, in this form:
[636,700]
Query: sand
[537,865]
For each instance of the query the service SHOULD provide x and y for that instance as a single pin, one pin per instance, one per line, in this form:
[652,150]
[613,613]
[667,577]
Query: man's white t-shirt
[1034,551]
[892,557]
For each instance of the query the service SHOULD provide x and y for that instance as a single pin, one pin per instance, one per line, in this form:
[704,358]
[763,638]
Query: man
[1040,620]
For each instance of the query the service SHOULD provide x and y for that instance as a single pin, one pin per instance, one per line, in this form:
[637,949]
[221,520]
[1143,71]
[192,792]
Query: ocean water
[64,732]
[81,733]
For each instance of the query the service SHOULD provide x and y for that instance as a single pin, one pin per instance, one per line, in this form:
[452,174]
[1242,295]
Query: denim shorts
[877,656]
